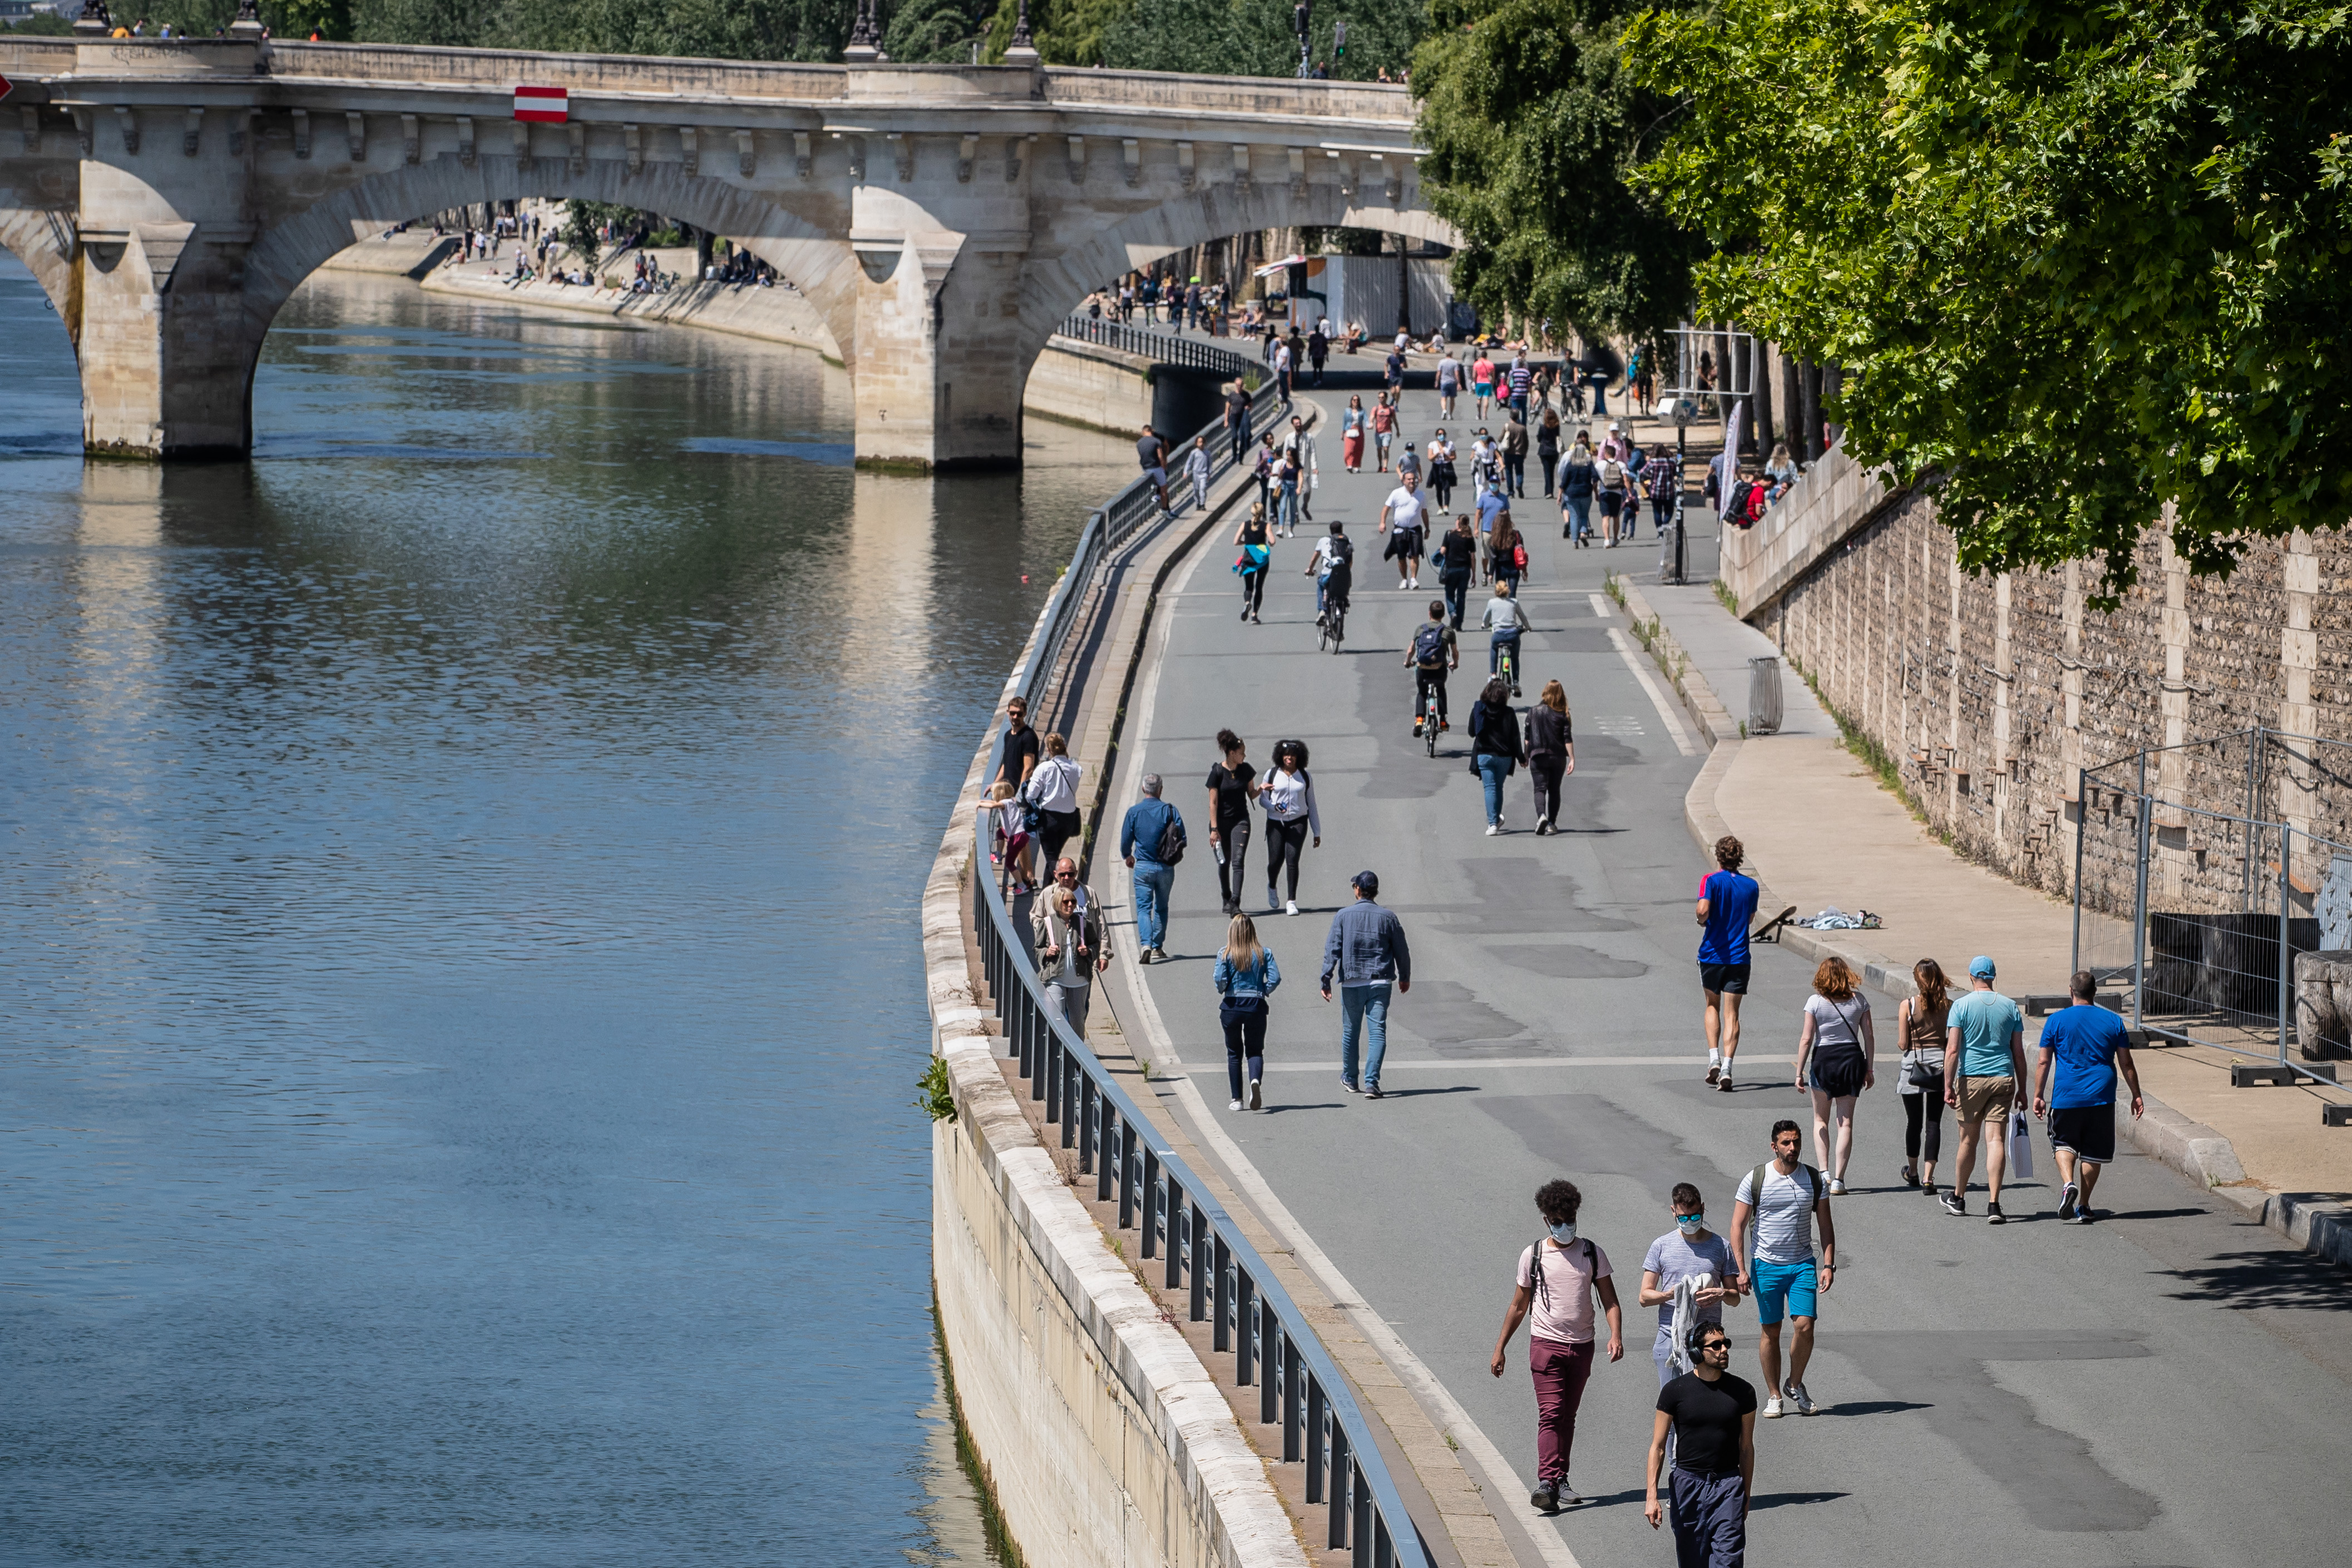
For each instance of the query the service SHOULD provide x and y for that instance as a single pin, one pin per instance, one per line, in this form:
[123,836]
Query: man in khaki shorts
[1985,1048]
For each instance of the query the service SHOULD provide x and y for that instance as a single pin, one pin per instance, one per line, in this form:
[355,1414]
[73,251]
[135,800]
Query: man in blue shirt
[1151,837]
[1984,1070]
[2087,1044]
[1726,905]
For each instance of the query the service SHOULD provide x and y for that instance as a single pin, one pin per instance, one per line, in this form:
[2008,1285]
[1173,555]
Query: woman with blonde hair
[1245,976]
[1836,1036]
[1921,1021]
[1551,753]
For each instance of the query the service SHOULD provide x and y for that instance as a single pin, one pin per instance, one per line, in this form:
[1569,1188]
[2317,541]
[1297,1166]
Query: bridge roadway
[2167,1387]
[170,194]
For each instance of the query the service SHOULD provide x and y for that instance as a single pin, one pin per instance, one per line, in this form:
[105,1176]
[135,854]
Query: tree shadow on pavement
[2266,1278]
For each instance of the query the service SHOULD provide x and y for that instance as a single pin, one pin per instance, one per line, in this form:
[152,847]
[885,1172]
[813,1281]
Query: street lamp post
[1022,50]
[1302,22]
[865,37]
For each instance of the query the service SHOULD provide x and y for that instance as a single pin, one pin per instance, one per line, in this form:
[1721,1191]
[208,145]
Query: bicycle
[1506,665]
[1331,625]
[1429,721]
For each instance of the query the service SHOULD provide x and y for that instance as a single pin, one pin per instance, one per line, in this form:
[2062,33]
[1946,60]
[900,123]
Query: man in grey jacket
[1366,950]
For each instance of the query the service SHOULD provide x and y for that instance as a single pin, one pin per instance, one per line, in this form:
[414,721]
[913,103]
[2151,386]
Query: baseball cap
[1367,881]
[1980,967]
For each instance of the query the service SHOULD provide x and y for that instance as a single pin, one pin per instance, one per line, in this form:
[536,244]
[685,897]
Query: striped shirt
[1784,1219]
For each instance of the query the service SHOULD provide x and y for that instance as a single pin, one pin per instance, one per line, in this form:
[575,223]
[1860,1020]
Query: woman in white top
[1836,1036]
[1287,794]
[1053,789]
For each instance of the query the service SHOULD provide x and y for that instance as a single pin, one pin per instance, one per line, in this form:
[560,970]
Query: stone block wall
[1990,694]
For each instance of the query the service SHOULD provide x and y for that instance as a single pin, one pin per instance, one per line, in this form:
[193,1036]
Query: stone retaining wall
[1990,693]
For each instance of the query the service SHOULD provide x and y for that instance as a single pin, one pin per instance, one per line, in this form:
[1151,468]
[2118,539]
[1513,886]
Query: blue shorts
[1788,1286]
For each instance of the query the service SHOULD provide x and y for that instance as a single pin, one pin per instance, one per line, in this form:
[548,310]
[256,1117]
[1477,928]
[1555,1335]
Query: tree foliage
[1535,129]
[2080,260]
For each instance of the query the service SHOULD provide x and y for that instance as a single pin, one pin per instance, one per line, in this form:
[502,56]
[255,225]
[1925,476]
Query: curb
[2320,1223]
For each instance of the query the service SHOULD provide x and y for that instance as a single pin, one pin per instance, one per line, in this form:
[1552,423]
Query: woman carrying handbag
[1836,1036]
[1922,1020]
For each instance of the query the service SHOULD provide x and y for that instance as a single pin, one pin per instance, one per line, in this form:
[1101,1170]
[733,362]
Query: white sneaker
[1256,1096]
[1502,821]
[1837,1188]
[1772,1409]
[1802,1398]
[1491,830]
[1290,906]
[1416,582]
[1543,824]
[1234,1106]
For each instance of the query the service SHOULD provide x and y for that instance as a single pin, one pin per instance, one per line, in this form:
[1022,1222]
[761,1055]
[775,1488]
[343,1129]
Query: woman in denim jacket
[1246,975]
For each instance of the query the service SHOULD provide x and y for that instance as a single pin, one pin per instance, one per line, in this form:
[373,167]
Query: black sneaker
[1350,1085]
[1372,1091]
[1544,1497]
[1955,1204]
[2067,1202]
[1994,1215]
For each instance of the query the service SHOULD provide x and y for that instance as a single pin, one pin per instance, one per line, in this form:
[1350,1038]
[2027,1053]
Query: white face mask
[1564,1234]
[1691,1224]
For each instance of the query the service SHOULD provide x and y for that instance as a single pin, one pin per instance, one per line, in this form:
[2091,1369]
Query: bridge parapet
[170,194]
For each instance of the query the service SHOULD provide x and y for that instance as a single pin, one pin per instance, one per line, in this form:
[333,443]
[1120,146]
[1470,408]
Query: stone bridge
[171,194]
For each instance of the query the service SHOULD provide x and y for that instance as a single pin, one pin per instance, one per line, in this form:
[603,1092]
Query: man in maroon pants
[1557,1278]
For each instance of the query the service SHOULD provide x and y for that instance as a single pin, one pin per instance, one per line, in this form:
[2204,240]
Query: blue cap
[1980,967]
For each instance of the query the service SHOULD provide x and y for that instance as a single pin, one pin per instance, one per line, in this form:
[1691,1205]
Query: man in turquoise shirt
[1985,1048]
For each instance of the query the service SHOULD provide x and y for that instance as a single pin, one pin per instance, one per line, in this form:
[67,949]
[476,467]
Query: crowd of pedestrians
[1777,1246]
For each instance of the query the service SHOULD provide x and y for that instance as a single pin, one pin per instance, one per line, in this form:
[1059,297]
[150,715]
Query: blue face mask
[1564,1234]
[1691,1224]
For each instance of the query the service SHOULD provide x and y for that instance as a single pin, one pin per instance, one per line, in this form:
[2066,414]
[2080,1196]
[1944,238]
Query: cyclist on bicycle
[1506,618]
[1435,650]
[1332,565]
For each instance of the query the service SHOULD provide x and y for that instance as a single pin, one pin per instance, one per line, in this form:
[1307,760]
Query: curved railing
[1231,1287]
[1170,348]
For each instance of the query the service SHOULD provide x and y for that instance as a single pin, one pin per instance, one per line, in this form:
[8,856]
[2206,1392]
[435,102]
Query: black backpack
[1429,644]
[1171,841]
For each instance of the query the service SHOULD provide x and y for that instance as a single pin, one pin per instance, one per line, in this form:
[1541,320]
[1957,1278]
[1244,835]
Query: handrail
[1232,1288]
[1169,347]
[1273,1343]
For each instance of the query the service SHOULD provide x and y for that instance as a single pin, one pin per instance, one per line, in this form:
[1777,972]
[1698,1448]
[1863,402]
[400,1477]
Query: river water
[457,915]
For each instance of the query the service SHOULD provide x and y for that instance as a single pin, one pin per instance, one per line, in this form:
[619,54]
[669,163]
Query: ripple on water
[457,904]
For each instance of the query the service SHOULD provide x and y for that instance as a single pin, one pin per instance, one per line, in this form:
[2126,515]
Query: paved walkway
[2164,1388]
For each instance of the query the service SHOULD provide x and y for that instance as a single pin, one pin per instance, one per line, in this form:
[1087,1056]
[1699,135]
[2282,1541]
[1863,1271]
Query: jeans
[1515,474]
[1069,1004]
[1287,508]
[1245,1043]
[1495,653]
[1364,1008]
[1492,771]
[1457,589]
[1550,464]
[1580,517]
[1710,1519]
[1229,870]
[1547,772]
[1560,1370]
[1153,884]
[1240,434]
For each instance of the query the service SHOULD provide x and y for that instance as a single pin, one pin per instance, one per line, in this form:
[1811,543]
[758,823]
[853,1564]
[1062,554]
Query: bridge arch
[287,252]
[1211,211]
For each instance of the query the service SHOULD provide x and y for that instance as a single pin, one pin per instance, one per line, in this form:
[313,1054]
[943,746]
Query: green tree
[1535,131]
[2080,261]
[1219,37]
[930,32]
[331,19]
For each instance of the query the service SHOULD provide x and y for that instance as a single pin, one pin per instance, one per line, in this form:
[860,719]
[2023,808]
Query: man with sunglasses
[1711,1415]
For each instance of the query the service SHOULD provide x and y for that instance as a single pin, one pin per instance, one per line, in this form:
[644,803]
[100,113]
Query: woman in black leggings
[1922,1020]
[1233,785]
[1289,796]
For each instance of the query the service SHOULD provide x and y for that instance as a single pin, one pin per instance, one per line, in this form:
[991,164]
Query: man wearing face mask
[1558,1277]
[1692,1252]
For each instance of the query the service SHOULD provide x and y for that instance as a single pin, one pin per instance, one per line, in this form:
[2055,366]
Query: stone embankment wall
[1990,693]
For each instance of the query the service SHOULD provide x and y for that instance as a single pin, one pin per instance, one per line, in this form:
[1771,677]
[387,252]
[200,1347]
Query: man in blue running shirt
[1726,905]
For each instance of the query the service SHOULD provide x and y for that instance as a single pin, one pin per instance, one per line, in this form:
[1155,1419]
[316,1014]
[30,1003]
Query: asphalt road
[2165,1388]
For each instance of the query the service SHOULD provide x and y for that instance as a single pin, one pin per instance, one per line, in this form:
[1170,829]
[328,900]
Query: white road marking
[1639,663]
[1503,1486]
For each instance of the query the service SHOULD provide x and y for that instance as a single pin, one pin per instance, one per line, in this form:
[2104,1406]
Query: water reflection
[457,910]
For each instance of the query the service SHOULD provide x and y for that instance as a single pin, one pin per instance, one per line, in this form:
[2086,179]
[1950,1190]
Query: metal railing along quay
[1199,1245]
[1170,347]
[1187,1232]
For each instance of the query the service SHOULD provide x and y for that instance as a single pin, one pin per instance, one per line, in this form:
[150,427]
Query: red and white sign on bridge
[549,105]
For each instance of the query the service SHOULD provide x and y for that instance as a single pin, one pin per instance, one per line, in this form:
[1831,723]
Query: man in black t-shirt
[1019,757]
[1712,1418]
[1152,454]
[1457,558]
